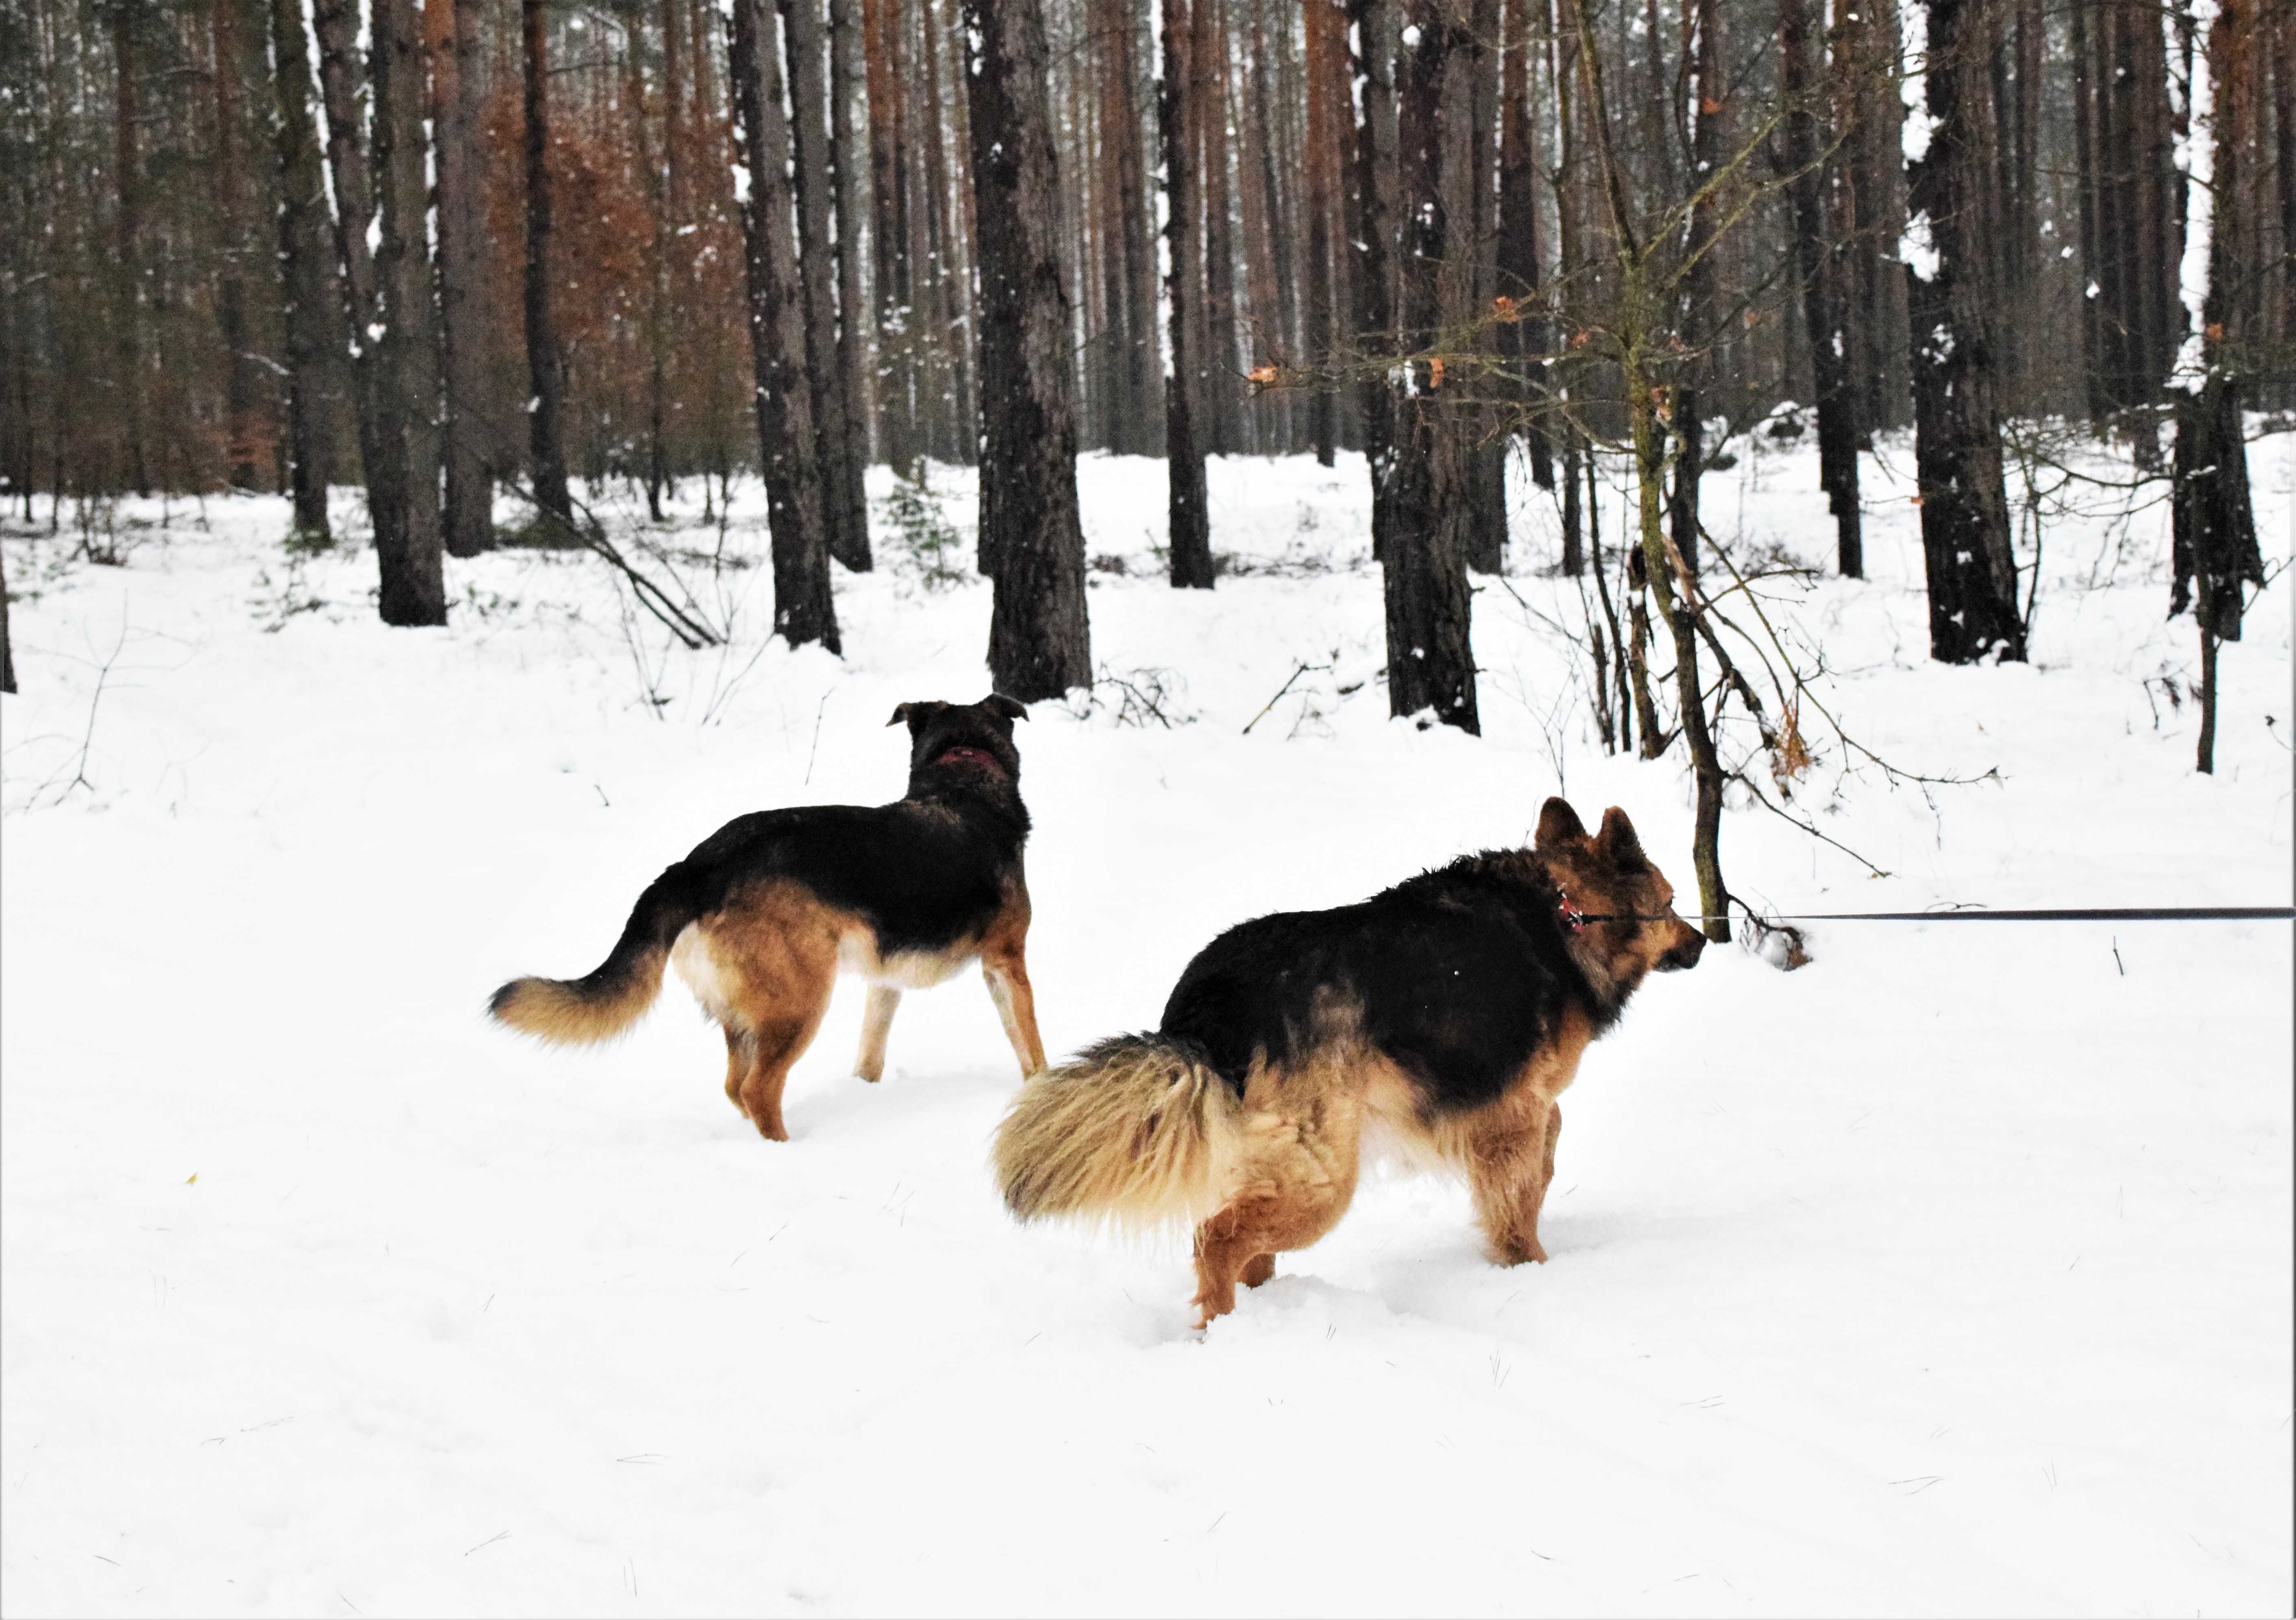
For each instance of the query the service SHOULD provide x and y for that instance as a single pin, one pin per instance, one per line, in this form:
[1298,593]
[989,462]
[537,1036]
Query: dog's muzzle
[964,755]
[1686,954]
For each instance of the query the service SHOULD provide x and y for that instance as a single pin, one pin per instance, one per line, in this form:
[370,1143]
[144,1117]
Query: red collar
[1570,916]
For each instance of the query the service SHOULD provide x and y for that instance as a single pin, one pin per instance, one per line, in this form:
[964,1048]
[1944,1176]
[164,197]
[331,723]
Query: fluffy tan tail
[1135,1131]
[574,1012]
[615,994]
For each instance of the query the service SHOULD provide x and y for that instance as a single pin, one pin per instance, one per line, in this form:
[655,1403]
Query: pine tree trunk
[888,186]
[1563,47]
[2215,553]
[1431,665]
[849,87]
[458,93]
[803,607]
[954,427]
[335,24]
[1189,545]
[244,427]
[1371,220]
[545,361]
[1521,335]
[406,355]
[1695,322]
[2088,165]
[1144,354]
[1808,178]
[312,317]
[1216,388]
[127,170]
[1965,545]
[1039,645]
[1485,447]
[809,68]
[1326,96]
[1121,177]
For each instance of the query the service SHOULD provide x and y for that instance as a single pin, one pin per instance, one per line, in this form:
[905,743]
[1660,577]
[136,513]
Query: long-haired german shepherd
[762,915]
[1451,1010]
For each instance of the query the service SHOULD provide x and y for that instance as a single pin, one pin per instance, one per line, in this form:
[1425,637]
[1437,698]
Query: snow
[1949,1274]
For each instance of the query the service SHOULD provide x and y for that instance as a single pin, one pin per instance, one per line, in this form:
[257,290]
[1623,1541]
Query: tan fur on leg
[1016,1008]
[1504,1149]
[876,1023]
[1294,1178]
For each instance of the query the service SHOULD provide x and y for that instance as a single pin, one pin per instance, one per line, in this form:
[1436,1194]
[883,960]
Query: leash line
[1978,913]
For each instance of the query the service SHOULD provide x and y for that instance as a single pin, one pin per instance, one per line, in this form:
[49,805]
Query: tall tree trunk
[849,87]
[1371,218]
[245,430]
[1327,96]
[1032,537]
[1275,284]
[1431,665]
[1190,544]
[809,69]
[655,185]
[312,317]
[803,607]
[1965,545]
[545,361]
[1144,355]
[2283,25]
[1808,176]
[458,95]
[2087,192]
[1116,333]
[406,355]
[335,23]
[127,170]
[1521,335]
[948,296]
[1484,535]
[1217,392]
[889,185]
[1695,319]
[1570,265]
[2215,552]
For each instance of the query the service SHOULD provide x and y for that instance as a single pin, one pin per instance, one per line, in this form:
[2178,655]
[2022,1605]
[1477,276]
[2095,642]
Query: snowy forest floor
[1951,1273]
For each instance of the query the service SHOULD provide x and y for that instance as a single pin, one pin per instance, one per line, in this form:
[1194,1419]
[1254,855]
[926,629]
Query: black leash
[1978,913]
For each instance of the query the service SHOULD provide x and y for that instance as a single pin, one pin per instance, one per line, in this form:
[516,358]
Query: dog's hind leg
[1007,972]
[1508,1151]
[783,1016]
[1296,1180]
[876,1023]
[740,1055]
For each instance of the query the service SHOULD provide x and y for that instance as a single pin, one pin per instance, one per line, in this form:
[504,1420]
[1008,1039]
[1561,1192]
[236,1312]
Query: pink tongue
[964,754]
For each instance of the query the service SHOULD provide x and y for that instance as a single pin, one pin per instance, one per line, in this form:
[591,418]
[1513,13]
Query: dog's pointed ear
[1616,843]
[901,713]
[1010,708]
[1558,824]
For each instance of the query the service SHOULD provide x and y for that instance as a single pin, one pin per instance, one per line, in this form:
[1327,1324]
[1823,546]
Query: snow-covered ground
[1949,1274]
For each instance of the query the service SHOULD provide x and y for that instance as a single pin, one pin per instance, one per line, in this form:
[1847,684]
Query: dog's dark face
[952,743]
[1608,875]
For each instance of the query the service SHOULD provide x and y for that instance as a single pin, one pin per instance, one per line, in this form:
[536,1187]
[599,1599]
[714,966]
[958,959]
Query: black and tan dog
[1451,1010]
[762,915]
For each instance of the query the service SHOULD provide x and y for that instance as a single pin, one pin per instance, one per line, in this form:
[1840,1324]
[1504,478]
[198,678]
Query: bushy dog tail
[1135,1131]
[615,994]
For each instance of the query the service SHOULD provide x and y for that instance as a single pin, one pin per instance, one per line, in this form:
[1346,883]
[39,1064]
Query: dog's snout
[1688,944]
